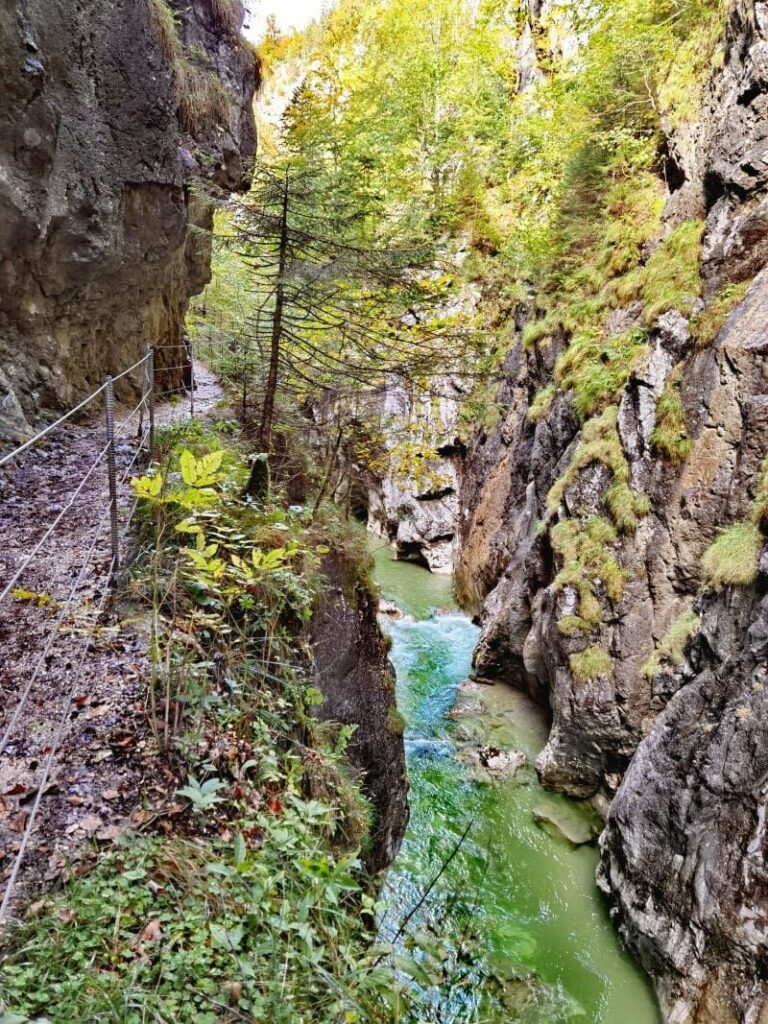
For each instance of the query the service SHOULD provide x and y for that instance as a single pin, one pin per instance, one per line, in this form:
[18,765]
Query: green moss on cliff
[597,366]
[600,442]
[669,651]
[591,663]
[732,559]
[588,563]
[670,439]
[706,325]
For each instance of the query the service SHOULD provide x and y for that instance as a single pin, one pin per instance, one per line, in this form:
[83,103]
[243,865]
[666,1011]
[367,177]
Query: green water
[530,893]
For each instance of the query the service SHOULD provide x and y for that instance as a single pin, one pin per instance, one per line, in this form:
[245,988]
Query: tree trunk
[268,410]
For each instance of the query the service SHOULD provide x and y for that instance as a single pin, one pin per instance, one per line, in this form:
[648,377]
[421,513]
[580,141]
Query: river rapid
[525,892]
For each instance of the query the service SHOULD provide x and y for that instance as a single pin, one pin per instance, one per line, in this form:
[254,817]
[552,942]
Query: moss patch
[588,562]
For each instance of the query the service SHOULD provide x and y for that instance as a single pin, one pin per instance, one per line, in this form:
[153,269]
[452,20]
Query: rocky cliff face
[111,110]
[353,673]
[684,851]
[417,510]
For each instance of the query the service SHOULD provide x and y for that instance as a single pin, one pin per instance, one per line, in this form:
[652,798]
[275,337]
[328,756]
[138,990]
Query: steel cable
[57,624]
[62,419]
[59,735]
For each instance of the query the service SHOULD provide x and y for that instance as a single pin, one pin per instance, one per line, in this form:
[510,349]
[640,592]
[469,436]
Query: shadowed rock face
[96,253]
[353,672]
[684,851]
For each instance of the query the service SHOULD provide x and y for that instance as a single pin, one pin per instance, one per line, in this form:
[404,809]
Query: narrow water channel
[530,892]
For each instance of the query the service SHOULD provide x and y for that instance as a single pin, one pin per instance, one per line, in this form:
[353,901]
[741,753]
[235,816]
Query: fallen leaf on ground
[90,823]
[151,932]
[108,834]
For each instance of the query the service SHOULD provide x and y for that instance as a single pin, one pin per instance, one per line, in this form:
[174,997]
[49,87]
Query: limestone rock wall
[98,254]
[684,851]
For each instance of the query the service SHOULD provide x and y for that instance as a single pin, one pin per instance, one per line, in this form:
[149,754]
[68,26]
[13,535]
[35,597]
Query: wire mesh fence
[68,555]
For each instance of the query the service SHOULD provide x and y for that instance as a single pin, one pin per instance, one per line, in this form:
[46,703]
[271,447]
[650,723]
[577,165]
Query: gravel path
[63,634]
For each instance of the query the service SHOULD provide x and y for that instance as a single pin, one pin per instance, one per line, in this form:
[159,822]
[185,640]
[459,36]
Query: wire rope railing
[109,533]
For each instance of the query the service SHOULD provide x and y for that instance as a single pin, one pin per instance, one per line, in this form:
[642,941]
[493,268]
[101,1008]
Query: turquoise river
[529,892]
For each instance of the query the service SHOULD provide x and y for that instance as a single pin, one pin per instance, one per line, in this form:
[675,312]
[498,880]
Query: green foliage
[202,97]
[597,368]
[600,442]
[269,924]
[542,403]
[670,436]
[591,663]
[706,325]
[265,912]
[670,649]
[589,566]
[732,559]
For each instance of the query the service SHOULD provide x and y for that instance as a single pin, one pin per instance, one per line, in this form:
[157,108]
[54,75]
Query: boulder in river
[570,821]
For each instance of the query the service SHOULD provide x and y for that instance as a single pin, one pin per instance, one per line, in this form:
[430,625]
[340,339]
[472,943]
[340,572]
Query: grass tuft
[671,279]
[592,662]
[670,438]
[588,562]
[229,15]
[542,403]
[597,367]
[672,645]
[203,98]
[732,559]
[164,23]
[600,442]
[706,326]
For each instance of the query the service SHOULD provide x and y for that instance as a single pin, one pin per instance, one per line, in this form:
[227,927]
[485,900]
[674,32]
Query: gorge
[499,273]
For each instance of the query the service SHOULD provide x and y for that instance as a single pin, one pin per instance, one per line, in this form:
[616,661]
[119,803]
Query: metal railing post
[151,390]
[109,413]
[191,381]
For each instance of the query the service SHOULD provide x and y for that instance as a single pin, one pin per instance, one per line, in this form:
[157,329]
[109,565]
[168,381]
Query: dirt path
[60,631]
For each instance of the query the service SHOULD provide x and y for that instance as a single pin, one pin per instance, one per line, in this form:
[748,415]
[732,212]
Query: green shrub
[671,647]
[732,559]
[592,662]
